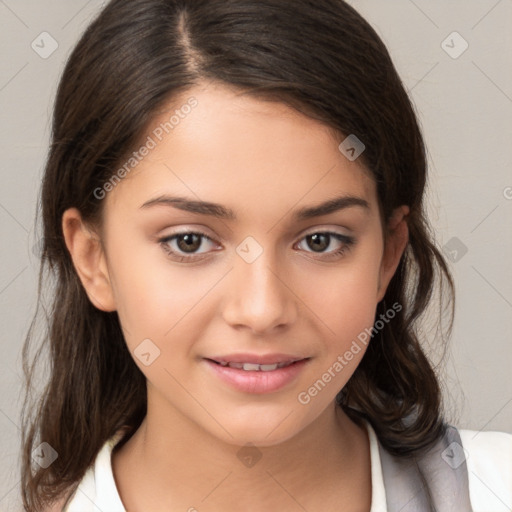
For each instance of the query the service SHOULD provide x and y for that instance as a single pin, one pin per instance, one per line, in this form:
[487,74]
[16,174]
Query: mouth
[255,367]
[252,374]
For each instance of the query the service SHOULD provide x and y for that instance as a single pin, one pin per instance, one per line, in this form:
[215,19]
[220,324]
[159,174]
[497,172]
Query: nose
[258,298]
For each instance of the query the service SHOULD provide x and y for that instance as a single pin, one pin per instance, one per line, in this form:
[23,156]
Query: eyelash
[348,242]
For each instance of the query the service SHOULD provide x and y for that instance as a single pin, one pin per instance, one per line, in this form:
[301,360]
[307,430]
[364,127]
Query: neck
[174,460]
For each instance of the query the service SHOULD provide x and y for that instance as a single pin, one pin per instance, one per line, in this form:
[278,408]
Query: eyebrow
[221,212]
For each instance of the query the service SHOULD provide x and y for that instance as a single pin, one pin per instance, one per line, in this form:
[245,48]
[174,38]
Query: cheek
[346,299]
[344,302]
[344,306]
[159,300]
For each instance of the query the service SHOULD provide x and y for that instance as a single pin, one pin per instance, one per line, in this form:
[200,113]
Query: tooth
[223,363]
[251,367]
[254,367]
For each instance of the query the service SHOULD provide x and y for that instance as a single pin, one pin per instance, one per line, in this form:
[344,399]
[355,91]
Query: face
[244,239]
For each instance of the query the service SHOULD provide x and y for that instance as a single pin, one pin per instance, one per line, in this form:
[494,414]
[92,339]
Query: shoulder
[58,506]
[463,470]
[488,457]
[97,489]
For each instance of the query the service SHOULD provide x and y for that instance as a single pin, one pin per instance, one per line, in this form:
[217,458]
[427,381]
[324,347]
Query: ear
[394,246]
[89,260]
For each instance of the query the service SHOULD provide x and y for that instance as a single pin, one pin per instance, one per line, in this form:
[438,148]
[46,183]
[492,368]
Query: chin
[261,437]
[261,428]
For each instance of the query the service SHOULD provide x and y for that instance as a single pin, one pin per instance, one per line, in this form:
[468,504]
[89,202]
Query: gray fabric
[435,482]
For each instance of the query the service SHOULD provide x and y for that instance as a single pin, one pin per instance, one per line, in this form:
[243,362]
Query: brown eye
[187,245]
[189,242]
[318,241]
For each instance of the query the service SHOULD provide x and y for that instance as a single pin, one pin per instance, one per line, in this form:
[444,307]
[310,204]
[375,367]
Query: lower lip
[257,381]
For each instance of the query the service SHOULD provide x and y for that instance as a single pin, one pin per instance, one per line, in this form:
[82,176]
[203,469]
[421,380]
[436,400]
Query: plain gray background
[464,102]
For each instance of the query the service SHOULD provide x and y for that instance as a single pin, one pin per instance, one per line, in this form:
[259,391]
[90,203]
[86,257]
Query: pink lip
[257,359]
[258,381]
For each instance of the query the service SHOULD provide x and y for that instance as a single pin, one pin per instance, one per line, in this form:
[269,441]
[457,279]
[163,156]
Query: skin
[264,161]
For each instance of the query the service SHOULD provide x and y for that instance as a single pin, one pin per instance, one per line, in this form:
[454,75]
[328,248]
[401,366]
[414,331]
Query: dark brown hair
[318,56]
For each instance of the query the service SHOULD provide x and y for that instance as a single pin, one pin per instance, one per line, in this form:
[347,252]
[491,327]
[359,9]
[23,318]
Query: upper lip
[257,359]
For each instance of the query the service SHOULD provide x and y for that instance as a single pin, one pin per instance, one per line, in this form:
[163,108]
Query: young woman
[233,218]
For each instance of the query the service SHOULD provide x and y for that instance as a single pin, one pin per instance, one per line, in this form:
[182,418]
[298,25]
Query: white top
[488,457]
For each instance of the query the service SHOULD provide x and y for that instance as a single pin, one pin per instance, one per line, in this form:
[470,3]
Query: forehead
[218,144]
